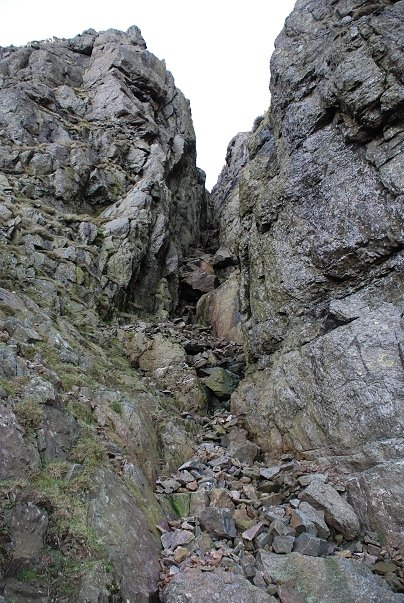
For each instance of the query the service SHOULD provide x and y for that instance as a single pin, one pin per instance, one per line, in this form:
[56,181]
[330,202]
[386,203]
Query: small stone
[279,528]
[173,570]
[301,523]
[262,540]
[170,485]
[170,540]
[192,486]
[242,520]
[180,554]
[184,477]
[337,512]
[270,472]
[345,554]
[218,522]
[317,517]
[384,567]
[283,544]
[295,502]
[219,497]
[306,544]
[374,550]
[253,532]
[272,513]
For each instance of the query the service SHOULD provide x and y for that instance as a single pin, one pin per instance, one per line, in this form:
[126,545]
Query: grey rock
[301,523]
[20,592]
[10,364]
[131,546]
[270,472]
[336,580]
[307,544]
[220,309]
[27,525]
[17,456]
[220,381]
[218,522]
[170,540]
[337,512]
[196,586]
[321,250]
[224,203]
[317,517]
[57,435]
[283,544]
[240,447]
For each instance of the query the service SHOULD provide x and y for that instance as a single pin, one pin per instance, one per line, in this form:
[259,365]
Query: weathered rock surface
[94,127]
[197,586]
[331,580]
[126,533]
[321,250]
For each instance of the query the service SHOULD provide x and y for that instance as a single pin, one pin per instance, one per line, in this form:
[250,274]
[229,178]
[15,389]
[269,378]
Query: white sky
[217,50]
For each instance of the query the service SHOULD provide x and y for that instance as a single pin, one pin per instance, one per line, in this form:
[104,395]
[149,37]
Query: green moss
[28,575]
[117,407]
[7,387]
[67,510]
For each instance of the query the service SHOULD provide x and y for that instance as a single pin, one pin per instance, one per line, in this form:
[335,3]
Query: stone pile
[233,507]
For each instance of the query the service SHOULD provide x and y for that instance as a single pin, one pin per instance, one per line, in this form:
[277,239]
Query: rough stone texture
[17,456]
[218,522]
[337,512]
[330,580]
[102,133]
[125,530]
[27,525]
[224,203]
[196,586]
[220,309]
[321,248]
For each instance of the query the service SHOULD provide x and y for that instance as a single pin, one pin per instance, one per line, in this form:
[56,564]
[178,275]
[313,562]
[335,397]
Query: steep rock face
[321,205]
[95,128]
[100,198]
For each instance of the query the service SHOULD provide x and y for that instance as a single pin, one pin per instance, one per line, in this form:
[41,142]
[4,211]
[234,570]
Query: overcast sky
[217,50]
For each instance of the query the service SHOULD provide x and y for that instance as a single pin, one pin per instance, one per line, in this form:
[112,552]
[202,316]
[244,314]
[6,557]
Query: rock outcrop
[100,199]
[201,399]
[98,169]
[321,251]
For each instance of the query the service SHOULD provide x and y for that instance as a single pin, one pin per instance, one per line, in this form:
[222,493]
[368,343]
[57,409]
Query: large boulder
[328,580]
[321,248]
[196,586]
[127,534]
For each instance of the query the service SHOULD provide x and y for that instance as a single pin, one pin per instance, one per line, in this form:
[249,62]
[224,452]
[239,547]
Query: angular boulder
[328,580]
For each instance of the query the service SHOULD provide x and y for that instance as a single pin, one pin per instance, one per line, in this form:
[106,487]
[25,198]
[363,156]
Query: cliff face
[100,198]
[96,137]
[321,206]
[107,381]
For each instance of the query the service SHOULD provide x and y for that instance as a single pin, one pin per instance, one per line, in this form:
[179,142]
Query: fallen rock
[328,580]
[196,586]
[218,522]
[306,544]
[337,512]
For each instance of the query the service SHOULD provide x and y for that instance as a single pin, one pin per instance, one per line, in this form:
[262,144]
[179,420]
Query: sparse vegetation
[30,413]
